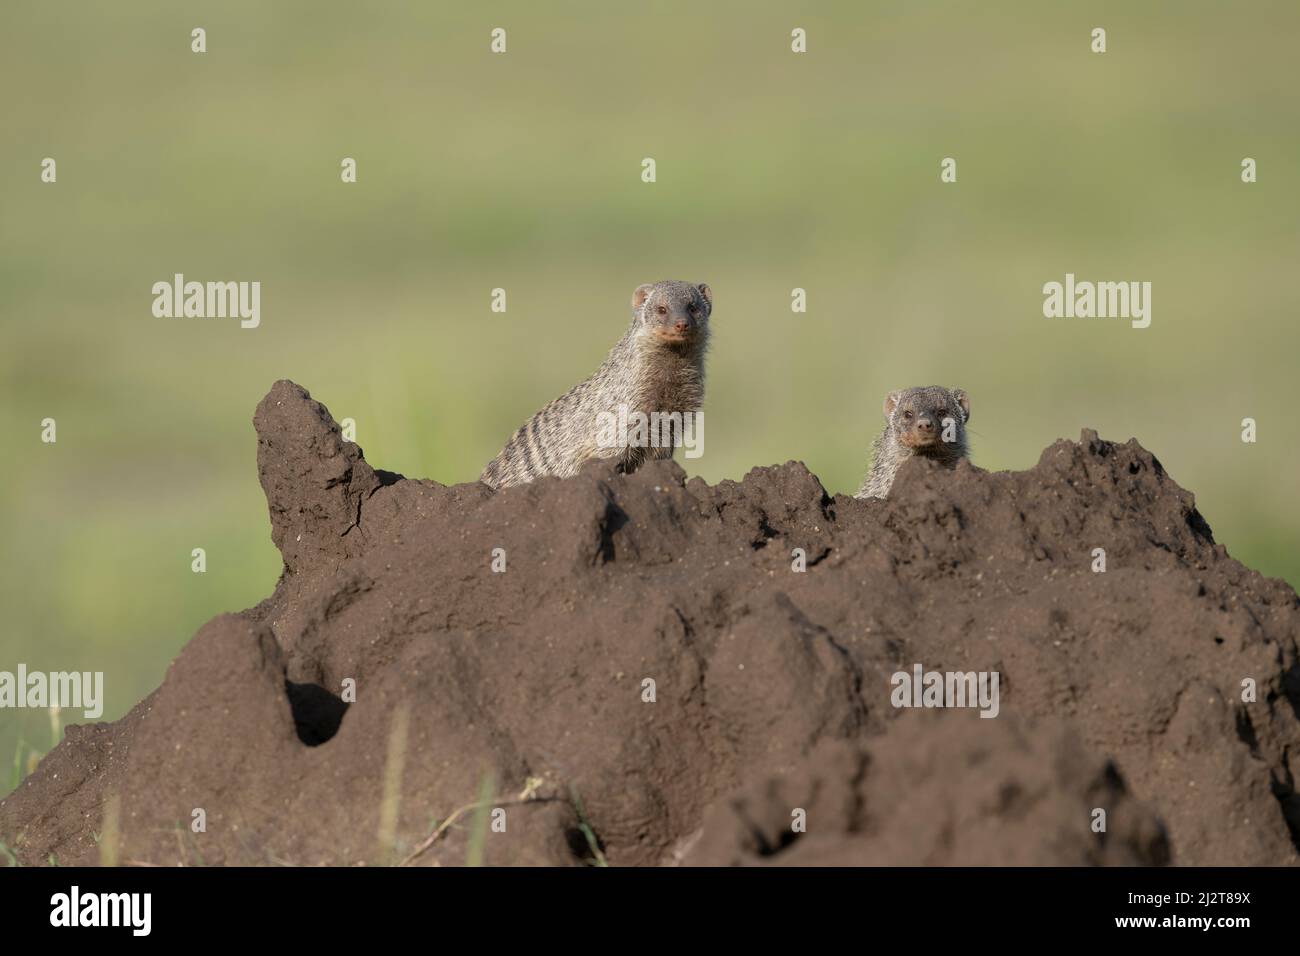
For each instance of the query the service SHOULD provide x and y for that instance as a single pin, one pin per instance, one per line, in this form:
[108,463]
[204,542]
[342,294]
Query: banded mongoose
[929,421]
[657,366]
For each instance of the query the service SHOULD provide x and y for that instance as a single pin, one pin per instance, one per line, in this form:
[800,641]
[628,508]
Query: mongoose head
[929,420]
[673,314]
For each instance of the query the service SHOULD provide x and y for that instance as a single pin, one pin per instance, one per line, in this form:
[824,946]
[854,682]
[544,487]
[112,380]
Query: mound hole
[317,713]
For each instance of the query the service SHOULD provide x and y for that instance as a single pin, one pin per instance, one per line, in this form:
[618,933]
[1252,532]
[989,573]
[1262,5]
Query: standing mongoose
[929,421]
[656,367]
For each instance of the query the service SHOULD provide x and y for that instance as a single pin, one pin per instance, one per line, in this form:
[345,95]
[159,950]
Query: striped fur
[658,365]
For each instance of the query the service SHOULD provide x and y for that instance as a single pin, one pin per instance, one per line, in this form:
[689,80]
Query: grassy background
[523,171]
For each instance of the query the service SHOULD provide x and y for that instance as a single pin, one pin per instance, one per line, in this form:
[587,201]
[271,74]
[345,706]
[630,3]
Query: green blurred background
[522,171]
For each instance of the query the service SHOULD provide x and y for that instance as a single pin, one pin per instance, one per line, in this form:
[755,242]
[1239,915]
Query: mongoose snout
[921,430]
[675,315]
[929,421]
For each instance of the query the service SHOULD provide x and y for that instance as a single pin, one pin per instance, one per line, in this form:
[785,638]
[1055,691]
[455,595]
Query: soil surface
[651,681]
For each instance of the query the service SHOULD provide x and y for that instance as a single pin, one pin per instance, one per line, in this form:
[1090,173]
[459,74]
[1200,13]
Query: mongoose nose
[682,325]
[925,425]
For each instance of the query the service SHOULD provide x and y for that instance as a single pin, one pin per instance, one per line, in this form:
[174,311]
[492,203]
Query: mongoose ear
[707,293]
[640,295]
[964,401]
[891,402]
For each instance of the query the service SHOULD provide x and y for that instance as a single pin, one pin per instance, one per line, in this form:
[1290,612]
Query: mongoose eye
[662,310]
[907,415]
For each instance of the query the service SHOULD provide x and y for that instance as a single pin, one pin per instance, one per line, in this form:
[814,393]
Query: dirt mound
[629,669]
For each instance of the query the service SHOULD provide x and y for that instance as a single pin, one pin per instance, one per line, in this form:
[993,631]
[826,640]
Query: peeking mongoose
[656,367]
[929,421]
